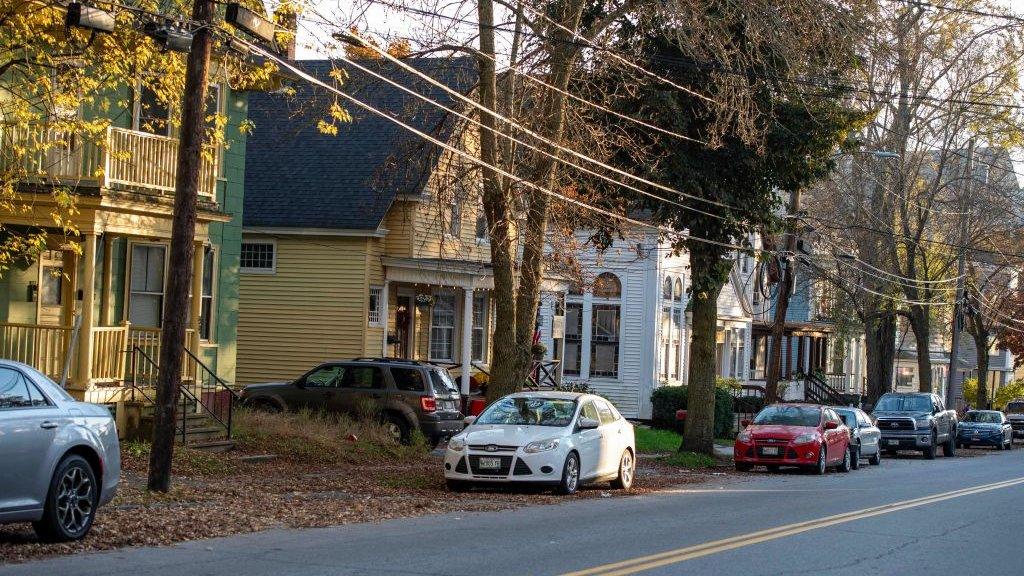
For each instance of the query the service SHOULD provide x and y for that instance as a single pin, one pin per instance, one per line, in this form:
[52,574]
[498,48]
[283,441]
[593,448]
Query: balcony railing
[116,158]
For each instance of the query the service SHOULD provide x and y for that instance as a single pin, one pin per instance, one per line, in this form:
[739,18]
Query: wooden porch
[114,158]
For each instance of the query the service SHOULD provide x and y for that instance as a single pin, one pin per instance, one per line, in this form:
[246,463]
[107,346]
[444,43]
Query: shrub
[667,399]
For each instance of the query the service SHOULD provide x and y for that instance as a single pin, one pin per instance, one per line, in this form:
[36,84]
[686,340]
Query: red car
[803,435]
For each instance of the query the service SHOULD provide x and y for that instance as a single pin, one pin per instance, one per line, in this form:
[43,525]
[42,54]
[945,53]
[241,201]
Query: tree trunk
[919,323]
[496,209]
[183,230]
[771,388]
[981,341]
[699,434]
[880,352]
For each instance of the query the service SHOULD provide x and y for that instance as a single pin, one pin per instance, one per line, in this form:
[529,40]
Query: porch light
[249,22]
[169,37]
[89,18]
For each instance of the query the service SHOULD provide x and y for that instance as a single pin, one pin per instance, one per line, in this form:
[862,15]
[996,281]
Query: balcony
[117,158]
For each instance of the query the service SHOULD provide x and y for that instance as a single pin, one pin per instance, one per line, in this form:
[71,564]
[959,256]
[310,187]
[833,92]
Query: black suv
[407,394]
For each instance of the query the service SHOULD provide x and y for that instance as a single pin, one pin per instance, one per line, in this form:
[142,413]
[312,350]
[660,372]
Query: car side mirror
[830,425]
[468,420]
[744,423]
[588,423]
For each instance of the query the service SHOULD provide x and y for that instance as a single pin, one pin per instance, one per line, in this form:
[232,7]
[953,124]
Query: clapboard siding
[374,344]
[310,310]
[399,223]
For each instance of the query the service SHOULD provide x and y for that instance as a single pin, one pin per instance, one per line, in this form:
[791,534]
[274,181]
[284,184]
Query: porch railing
[109,348]
[42,347]
[147,340]
[114,157]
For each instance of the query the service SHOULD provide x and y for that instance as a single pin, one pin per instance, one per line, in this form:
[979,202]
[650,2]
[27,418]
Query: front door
[403,327]
[51,288]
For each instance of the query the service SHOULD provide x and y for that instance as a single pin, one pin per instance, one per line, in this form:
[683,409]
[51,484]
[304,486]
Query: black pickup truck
[916,421]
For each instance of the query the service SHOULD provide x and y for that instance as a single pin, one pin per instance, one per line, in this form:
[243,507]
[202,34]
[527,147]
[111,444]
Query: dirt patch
[319,477]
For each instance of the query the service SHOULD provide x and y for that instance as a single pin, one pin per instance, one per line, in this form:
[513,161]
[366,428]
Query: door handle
[47,425]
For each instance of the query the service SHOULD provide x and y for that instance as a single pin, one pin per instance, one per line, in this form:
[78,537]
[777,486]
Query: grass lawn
[688,460]
[649,440]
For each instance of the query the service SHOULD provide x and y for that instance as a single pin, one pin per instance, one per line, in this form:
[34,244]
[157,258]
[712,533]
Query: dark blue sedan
[985,428]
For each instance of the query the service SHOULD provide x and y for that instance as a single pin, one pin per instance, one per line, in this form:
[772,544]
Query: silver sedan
[60,458]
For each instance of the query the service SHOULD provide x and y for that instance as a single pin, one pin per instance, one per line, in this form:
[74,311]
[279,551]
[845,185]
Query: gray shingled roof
[297,177]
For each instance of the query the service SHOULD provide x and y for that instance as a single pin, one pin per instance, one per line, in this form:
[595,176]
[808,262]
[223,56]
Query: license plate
[448,405]
[894,442]
[770,451]
[493,463]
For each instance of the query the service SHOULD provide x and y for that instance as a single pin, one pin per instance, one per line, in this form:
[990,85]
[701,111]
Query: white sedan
[563,439]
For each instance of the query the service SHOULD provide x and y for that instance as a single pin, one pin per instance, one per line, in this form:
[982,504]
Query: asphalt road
[907,517]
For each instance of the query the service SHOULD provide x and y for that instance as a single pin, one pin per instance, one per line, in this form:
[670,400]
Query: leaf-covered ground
[324,473]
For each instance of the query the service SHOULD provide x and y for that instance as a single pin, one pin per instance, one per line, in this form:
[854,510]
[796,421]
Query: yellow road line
[690,552]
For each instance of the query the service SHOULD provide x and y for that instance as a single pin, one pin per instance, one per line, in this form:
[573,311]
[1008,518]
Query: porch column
[197,297]
[105,295]
[806,348]
[385,314]
[467,337]
[88,284]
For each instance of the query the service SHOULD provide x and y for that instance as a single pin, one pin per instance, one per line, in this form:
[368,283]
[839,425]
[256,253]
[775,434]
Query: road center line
[652,561]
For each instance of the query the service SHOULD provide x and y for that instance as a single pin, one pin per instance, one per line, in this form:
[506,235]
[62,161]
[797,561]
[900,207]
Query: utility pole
[955,389]
[782,301]
[183,230]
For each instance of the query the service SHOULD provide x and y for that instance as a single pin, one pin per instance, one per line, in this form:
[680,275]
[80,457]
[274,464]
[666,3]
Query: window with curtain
[442,327]
[481,316]
[573,337]
[373,308]
[605,325]
[146,297]
[666,327]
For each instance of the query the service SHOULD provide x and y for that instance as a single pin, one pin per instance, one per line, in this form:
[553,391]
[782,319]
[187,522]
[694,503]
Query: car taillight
[428,403]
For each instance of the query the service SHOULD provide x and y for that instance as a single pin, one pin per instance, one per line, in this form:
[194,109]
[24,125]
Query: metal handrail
[225,421]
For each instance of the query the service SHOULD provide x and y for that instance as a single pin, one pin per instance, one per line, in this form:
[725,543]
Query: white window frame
[450,330]
[273,260]
[481,304]
[373,313]
[591,348]
[127,312]
[214,269]
[453,227]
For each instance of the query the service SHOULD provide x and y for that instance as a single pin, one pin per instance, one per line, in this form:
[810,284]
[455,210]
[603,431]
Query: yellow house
[365,243]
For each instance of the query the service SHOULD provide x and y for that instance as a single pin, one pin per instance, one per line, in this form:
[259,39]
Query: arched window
[678,292]
[606,327]
[572,345]
[666,289]
[607,285]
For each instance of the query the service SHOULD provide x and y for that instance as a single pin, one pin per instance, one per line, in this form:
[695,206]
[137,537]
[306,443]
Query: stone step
[213,445]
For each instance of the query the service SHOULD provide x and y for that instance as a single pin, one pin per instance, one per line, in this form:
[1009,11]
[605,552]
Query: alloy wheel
[626,469]
[75,498]
[394,430]
[821,461]
[572,474]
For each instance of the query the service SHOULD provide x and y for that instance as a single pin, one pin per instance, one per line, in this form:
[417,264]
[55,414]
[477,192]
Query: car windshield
[529,411]
[984,417]
[1015,408]
[789,416]
[442,382]
[849,418]
[904,404]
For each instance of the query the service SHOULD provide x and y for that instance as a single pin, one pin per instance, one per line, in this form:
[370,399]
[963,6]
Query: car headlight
[743,436]
[805,438]
[457,443]
[541,446]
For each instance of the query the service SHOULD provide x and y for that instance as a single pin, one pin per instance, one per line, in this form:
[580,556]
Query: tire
[819,469]
[932,449]
[949,447]
[847,463]
[855,456]
[892,453]
[398,428]
[876,458]
[457,485]
[627,471]
[570,482]
[1009,446]
[70,502]
[744,467]
[265,406]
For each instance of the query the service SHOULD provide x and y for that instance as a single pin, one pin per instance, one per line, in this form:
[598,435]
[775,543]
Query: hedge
[667,399]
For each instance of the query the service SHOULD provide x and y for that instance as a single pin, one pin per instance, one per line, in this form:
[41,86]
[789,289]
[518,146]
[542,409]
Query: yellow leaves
[326,128]
[339,75]
[339,113]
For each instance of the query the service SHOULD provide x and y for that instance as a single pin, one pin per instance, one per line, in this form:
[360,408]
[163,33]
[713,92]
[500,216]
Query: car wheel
[457,485]
[744,466]
[772,467]
[1009,445]
[876,458]
[891,453]
[819,469]
[70,502]
[855,456]
[929,452]
[949,448]
[398,428]
[847,463]
[627,470]
[1000,446]
[570,475]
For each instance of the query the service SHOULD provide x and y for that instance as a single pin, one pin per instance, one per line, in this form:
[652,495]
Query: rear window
[442,382]
[408,379]
[1015,408]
